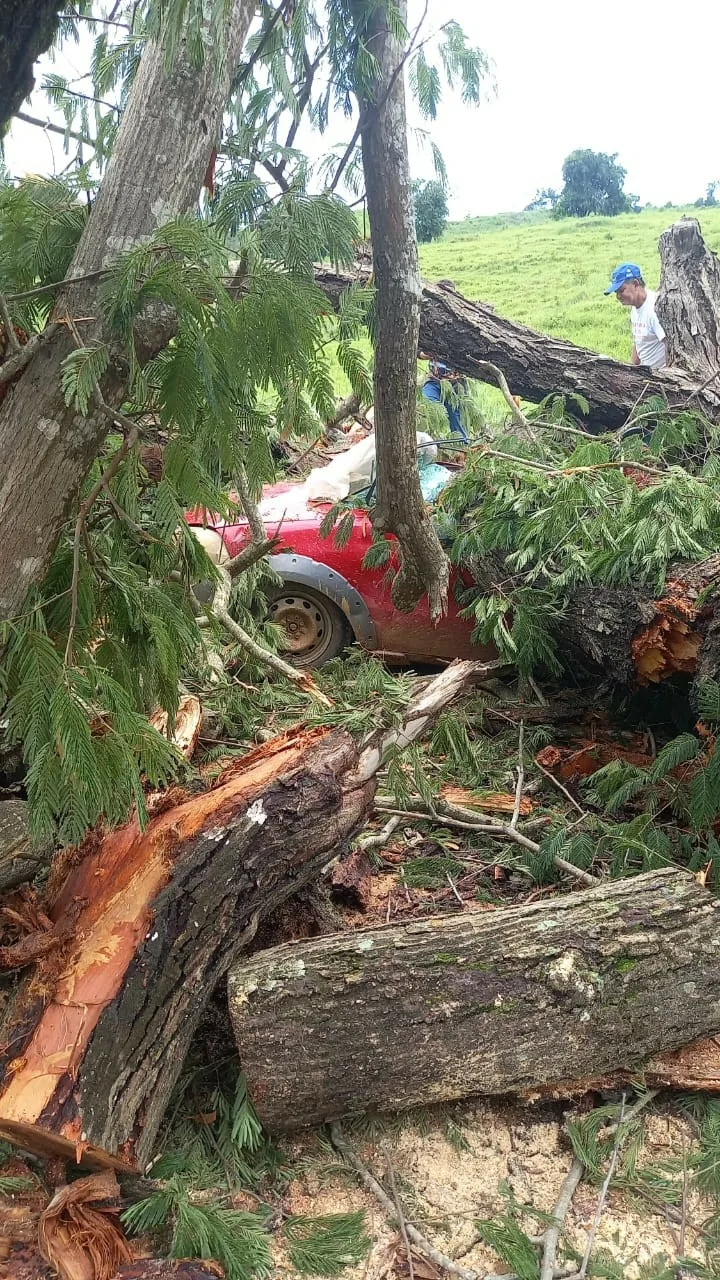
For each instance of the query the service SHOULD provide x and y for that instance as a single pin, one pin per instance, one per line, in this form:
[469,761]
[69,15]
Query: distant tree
[593,183]
[544,198]
[431,210]
[709,200]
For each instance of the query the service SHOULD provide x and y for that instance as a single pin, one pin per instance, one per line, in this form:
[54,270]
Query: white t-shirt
[648,333]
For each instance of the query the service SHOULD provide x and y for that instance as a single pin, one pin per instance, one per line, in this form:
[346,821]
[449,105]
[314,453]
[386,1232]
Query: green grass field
[551,275]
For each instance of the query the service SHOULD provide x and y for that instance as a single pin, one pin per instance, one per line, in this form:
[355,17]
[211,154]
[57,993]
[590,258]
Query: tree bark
[157,916]
[590,984]
[27,29]
[399,508]
[461,333]
[148,922]
[689,301]
[168,131]
[20,859]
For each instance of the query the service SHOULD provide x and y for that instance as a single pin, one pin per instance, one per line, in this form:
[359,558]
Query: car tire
[316,628]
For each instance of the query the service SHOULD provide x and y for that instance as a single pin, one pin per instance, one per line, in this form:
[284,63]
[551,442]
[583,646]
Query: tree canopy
[172,281]
[593,182]
[431,210]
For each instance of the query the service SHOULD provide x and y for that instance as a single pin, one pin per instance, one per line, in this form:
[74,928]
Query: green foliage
[565,517]
[188,1214]
[511,1244]
[81,372]
[237,1239]
[111,635]
[325,1245]
[431,210]
[431,872]
[593,183]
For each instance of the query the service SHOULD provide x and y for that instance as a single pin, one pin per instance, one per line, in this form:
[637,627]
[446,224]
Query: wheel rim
[307,625]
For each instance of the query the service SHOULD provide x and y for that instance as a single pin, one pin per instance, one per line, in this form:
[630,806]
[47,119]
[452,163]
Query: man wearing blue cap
[648,334]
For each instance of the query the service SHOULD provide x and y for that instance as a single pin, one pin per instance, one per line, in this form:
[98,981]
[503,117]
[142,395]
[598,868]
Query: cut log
[589,985]
[149,922]
[461,333]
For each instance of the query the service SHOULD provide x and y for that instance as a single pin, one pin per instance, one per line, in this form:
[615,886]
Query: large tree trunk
[155,918]
[585,986]
[399,507]
[27,29]
[461,332]
[168,131]
[147,922]
[689,301]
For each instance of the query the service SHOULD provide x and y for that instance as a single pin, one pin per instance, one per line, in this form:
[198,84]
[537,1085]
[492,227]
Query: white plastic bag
[356,467]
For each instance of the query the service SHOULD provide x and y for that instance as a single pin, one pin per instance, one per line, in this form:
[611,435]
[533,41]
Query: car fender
[303,571]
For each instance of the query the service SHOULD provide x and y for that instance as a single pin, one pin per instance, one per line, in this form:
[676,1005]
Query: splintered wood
[96,1036]
[670,642]
[80,1233]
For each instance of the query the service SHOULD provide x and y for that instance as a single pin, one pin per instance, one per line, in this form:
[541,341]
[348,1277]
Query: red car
[328,599]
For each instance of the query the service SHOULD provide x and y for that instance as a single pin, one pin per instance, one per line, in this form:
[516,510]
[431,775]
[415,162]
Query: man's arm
[634,358]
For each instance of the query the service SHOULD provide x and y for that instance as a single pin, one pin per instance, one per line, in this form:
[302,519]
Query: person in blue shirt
[433,390]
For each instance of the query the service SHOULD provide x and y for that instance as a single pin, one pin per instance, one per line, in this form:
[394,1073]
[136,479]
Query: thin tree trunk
[463,333]
[583,987]
[147,923]
[400,508]
[168,131]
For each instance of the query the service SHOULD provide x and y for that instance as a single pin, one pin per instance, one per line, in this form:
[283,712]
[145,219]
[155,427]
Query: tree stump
[689,301]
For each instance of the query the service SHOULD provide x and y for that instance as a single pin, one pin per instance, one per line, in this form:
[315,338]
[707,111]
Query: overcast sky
[615,77]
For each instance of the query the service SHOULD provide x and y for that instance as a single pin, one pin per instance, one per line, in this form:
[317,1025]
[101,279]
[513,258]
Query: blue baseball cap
[626,271]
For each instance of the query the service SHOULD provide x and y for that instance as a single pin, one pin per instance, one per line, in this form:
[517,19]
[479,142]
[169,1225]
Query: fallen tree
[465,333]
[590,985]
[147,922]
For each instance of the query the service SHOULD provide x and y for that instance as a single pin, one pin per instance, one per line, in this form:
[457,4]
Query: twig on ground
[440,1259]
[556,783]
[465,820]
[631,1114]
[559,1213]
[453,886]
[398,1209]
[582,1272]
[520,778]
[377,839]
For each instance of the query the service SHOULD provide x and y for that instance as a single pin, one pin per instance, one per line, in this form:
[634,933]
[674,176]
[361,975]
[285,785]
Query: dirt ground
[451,1165]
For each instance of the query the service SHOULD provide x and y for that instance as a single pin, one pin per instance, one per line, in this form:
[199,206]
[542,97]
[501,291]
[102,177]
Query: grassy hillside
[551,275]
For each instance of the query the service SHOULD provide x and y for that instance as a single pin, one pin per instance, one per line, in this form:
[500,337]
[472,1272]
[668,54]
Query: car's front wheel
[316,630]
